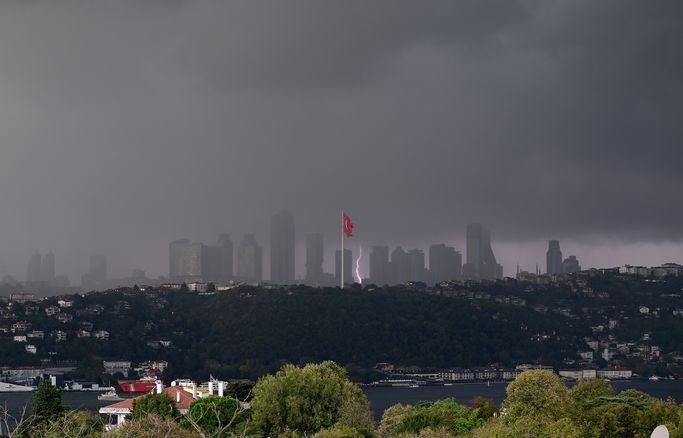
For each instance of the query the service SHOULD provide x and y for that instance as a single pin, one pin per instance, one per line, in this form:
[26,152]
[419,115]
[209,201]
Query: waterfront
[380,397]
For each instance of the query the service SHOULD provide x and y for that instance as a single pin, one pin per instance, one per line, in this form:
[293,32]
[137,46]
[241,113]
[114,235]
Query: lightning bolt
[360,255]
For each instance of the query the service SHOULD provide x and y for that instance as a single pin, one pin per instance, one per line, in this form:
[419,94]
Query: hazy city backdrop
[128,126]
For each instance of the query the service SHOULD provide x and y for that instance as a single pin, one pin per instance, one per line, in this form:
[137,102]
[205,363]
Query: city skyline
[222,258]
[540,119]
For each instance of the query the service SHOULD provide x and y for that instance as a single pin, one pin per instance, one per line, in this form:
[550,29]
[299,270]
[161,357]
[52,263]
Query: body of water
[383,397]
[380,397]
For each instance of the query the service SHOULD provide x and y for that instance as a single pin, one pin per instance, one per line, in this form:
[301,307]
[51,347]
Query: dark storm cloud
[124,125]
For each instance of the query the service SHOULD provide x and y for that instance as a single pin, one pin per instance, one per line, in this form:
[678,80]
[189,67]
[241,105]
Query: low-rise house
[19,338]
[52,310]
[65,317]
[59,335]
[120,410]
[101,334]
[21,327]
[22,297]
[615,373]
[30,348]
[65,303]
[578,374]
[116,366]
[36,334]
[30,309]
[82,334]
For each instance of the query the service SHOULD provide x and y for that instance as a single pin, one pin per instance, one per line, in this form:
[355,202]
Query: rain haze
[126,125]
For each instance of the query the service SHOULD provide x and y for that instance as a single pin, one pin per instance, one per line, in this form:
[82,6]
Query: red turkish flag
[347,225]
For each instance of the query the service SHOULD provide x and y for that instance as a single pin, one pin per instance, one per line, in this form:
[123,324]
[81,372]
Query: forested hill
[249,331]
[258,330]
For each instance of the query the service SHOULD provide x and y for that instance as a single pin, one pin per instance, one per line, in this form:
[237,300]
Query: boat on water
[110,396]
[10,387]
[448,384]
[144,384]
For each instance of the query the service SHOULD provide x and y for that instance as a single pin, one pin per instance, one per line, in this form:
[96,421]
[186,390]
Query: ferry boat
[110,395]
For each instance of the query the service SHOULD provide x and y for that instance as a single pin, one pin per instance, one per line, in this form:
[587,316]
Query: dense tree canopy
[304,400]
[158,404]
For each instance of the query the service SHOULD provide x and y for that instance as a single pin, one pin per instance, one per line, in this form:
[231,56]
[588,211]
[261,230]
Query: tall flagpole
[341,275]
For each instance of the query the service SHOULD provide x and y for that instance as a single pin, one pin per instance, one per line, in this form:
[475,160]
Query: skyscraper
[445,263]
[33,269]
[481,261]
[47,268]
[570,264]
[553,258]
[225,244]
[473,266]
[399,266]
[348,266]
[379,265]
[249,260]
[177,263]
[416,265]
[185,260]
[282,248]
[314,258]
[211,263]
[98,269]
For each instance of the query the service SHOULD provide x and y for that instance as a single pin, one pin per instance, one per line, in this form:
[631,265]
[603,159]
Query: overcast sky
[127,124]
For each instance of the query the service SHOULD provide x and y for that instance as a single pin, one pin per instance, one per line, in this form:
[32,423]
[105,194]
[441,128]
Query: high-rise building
[185,260]
[33,269]
[399,266]
[481,261]
[98,268]
[445,263]
[348,266]
[474,236]
[47,268]
[570,264]
[282,248]
[249,260]
[211,263]
[314,258]
[177,261]
[225,244]
[553,258]
[379,265]
[416,265]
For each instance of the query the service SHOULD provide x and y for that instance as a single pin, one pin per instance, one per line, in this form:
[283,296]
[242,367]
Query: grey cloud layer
[126,124]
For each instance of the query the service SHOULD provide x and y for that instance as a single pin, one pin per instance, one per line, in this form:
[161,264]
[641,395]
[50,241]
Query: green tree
[304,400]
[536,394]
[589,389]
[241,390]
[392,420]
[485,408]
[159,404]
[72,424]
[47,404]
[217,416]
[152,426]
[442,414]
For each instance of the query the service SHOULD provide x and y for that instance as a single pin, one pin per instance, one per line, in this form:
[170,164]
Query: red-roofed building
[181,395]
